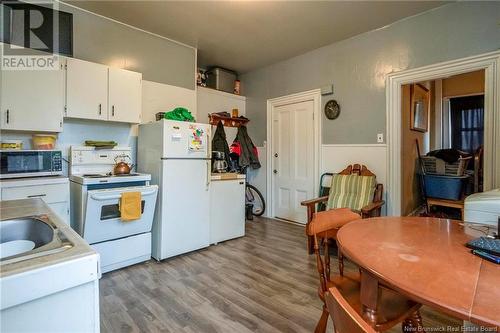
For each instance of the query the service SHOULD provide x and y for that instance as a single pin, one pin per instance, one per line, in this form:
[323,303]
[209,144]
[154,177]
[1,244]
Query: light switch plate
[380,138]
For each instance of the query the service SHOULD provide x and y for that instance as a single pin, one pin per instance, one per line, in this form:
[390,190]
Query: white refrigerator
[177,155]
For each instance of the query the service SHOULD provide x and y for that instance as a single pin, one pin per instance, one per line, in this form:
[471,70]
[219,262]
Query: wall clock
[332,109]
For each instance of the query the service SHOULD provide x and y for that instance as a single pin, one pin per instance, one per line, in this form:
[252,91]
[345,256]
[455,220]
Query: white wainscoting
[335,157]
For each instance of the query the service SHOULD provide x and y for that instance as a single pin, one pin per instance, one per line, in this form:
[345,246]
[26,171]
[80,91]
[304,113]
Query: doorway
[448,133]
[490,63]
[293,138]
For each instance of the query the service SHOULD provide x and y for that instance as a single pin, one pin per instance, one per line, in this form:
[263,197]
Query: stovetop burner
[102,175]
[94,175]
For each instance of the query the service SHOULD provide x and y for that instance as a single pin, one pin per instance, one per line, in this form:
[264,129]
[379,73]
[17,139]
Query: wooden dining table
[426,260]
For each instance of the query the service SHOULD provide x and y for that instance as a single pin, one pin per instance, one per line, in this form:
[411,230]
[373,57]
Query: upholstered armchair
[361,195]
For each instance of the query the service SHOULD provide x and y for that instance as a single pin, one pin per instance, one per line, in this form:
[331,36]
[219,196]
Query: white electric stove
[95,200]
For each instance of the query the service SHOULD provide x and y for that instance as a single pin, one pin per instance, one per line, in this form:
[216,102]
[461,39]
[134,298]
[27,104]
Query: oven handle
[102,196]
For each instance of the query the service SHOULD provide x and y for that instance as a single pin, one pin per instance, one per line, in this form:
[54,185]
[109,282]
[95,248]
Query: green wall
[357,67]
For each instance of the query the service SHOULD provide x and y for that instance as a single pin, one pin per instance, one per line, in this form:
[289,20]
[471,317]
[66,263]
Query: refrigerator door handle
[209,161]
[209,174]
[209,144]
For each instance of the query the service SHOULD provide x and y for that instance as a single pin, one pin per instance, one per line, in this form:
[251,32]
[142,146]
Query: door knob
[275,171]
[275,154]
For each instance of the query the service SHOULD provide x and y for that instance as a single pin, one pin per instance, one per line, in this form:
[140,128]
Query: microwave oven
[30,163]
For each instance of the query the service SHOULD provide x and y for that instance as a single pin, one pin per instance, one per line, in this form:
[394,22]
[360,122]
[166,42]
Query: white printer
[483,208]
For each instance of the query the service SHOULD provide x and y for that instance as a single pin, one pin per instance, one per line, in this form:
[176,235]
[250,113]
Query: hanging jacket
[248,154]
[219,142]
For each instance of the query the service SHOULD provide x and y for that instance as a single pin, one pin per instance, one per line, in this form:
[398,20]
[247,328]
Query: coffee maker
[219,163]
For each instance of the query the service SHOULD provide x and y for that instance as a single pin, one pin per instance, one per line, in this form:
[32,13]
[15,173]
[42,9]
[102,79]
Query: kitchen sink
[30,237]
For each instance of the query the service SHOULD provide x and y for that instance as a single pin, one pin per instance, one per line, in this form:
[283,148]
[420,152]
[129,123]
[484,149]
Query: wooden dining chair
[392,308]
[345,318]
[478,169]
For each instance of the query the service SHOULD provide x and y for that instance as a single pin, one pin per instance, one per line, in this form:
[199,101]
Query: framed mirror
[420,103]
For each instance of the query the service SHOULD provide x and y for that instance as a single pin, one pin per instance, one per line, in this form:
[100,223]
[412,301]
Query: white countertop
[29,181]
[227,176]
[31,207]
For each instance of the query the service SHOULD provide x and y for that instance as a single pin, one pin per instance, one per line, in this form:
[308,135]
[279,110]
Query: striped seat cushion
[351,191]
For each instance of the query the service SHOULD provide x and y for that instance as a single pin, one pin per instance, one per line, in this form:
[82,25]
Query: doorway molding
[309,95]
[490,63]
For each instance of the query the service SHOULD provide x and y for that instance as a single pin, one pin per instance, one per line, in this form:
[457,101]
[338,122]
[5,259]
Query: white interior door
[293,159]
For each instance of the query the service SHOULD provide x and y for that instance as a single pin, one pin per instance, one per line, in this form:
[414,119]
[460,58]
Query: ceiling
[245,35]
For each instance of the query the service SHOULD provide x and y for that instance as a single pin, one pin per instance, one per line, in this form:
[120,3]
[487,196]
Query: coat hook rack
[214,119]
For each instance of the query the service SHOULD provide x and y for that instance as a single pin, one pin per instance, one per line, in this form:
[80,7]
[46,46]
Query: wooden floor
[263,282]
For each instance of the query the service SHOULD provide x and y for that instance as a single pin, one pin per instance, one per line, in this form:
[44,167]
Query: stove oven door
[102,218]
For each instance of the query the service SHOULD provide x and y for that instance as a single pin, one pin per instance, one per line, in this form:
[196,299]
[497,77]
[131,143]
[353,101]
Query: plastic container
[12,144]
[221,79]
[444,187]
[437,166]
[44,141]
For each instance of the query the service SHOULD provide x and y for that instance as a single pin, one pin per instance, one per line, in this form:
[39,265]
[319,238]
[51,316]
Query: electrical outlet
[380,138]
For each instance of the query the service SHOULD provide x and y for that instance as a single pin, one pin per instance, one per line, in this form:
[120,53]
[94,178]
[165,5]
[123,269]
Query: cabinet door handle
[99,108]
[113,111]
[8,116]
[37,195]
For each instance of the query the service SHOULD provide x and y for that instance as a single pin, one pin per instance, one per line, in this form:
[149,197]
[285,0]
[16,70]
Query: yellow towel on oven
[130,206]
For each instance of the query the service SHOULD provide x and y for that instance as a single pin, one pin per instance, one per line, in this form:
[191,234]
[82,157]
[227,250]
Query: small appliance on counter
[219,163]
[27,174]
[30,163]
[96,200]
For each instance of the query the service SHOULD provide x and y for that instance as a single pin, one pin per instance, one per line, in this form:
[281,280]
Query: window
[109,212]
[467,123]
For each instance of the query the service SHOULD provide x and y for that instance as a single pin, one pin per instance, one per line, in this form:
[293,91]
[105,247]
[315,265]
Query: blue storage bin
[444,187]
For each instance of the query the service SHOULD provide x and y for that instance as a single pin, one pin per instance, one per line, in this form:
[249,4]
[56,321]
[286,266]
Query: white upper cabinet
[125,91]
[32,100]
[99,92]
[86,90]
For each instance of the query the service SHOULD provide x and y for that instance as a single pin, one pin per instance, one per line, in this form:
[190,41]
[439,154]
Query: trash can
[248,212]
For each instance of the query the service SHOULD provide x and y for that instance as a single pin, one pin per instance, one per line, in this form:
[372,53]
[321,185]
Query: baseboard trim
[354,145]
[287,221]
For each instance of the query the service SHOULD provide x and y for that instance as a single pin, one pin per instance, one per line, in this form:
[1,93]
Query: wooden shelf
[220,92]
[214,119]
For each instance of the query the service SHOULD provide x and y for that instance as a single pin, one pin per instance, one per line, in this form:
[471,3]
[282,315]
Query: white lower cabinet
[227,209]
[53,190]
[62,297]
